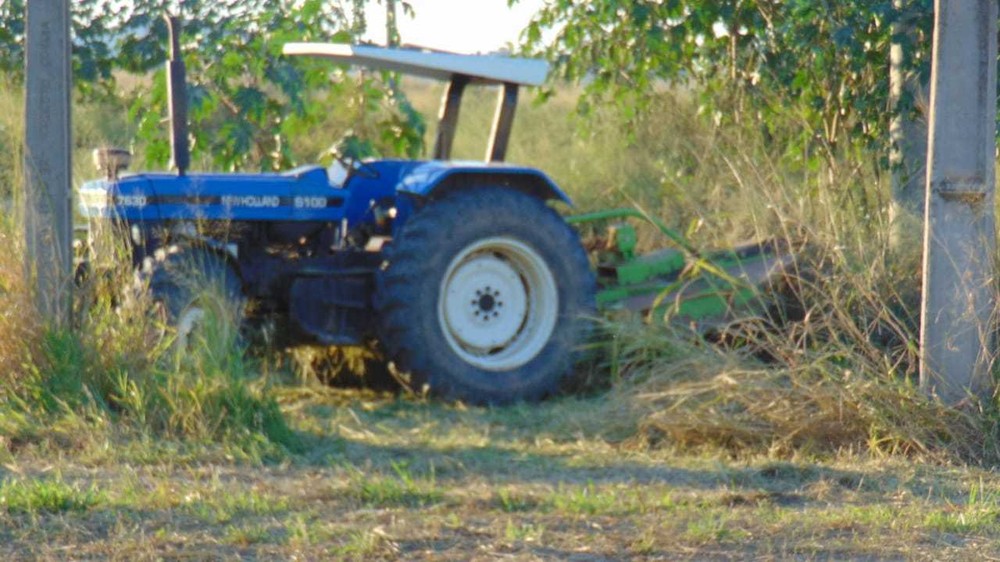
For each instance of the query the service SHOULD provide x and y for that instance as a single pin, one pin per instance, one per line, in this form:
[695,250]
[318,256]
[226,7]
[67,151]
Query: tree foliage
[829,60]
[94,47]
[246,100]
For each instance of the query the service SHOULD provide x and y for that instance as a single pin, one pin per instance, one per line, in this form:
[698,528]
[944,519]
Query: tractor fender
[433,180]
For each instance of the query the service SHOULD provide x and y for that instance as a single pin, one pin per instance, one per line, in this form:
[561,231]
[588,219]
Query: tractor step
[335,309]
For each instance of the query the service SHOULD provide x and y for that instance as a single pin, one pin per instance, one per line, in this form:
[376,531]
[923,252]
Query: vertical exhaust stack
[180,154]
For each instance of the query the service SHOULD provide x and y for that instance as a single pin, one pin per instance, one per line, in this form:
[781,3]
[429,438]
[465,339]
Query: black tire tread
[402,318]
[174,275]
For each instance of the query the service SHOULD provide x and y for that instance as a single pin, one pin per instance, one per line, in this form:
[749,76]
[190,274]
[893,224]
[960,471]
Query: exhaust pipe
[180,154]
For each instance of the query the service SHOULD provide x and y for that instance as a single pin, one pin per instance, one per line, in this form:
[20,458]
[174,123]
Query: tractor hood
[303,194]
[297,194]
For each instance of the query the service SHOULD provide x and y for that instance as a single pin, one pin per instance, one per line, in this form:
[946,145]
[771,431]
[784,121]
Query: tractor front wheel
[196,292]
[485,296]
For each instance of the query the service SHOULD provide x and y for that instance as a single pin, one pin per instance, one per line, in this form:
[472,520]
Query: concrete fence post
[959,284]
[47,152]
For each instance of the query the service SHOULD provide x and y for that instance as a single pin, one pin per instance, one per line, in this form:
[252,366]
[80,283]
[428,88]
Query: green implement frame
[684,282]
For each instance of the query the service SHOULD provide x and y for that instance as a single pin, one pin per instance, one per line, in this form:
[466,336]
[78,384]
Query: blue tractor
[469,279]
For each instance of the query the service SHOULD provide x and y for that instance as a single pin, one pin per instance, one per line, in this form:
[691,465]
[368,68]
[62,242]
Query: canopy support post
[448,119]
[503,122]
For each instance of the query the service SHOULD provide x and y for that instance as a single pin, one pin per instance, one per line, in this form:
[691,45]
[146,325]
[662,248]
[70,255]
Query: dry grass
[829,361]
[784,411]
[19,326]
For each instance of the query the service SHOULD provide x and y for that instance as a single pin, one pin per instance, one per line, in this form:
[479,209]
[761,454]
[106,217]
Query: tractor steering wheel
[356,166]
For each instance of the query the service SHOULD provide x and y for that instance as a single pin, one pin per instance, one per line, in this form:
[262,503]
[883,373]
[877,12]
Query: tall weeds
[120,365]
[829,362]
[116,364]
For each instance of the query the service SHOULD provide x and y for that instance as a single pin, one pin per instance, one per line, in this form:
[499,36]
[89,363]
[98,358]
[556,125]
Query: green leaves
[745,56]
[247,101]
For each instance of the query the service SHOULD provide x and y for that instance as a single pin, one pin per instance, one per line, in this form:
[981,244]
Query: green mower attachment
[681,283]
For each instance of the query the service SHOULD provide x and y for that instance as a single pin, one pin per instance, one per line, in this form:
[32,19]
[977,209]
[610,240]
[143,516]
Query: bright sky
[461,26]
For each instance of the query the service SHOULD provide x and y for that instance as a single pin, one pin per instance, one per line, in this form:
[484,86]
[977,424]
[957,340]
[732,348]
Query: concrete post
[47,166]
[956,337]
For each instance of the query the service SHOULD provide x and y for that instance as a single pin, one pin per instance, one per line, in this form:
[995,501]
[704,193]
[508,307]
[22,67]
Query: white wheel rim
[189,321]
[498,304]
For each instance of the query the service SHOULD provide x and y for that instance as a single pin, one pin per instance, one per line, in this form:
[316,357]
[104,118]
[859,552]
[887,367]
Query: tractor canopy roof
[483,69]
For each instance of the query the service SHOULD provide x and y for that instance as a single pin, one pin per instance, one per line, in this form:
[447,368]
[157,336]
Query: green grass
[46,495]
[590,500]
[400,489]
[508,500]
[224,506]
[248,535]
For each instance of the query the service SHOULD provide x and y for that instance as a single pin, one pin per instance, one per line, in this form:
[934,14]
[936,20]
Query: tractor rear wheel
[485,296]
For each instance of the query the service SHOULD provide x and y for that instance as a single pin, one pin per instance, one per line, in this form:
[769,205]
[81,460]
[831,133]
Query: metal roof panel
[493,69]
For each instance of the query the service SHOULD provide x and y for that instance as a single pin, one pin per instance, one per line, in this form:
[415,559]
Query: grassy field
[379,477]
[804,440]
